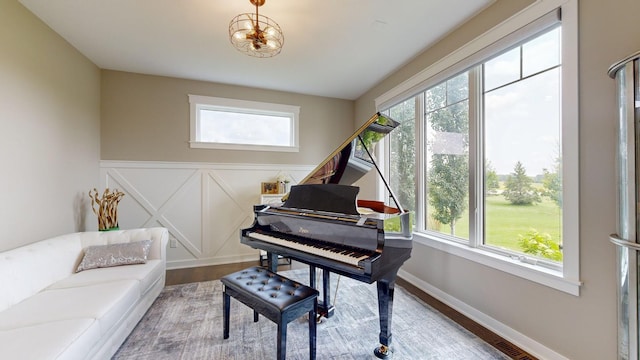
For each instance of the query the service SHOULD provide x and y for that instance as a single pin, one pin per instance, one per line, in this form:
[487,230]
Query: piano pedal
[383,352]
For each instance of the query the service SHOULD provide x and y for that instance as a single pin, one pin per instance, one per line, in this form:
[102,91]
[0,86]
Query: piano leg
[386,287]
[272,262]
[312,276]
[325,309]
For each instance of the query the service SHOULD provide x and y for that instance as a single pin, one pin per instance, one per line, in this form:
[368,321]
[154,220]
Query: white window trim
[197,102]
[567,280]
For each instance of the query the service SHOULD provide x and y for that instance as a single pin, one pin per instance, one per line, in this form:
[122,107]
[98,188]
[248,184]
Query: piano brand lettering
[303,230]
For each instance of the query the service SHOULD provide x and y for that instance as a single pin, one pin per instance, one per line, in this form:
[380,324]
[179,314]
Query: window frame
[197,103]
[565,279]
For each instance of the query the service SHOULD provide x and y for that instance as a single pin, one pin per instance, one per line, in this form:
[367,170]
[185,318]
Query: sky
[522,120]
[229,127]
[523,125]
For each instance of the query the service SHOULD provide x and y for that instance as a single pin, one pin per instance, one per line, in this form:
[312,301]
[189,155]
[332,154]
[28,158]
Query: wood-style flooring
[214,272]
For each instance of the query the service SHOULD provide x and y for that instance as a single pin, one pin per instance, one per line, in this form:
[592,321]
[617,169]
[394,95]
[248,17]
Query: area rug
[185,323]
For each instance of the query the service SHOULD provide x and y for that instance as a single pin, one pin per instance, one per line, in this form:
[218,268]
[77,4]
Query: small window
[219,123]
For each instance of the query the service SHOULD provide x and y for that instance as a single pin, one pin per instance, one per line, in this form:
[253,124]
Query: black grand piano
[323,224]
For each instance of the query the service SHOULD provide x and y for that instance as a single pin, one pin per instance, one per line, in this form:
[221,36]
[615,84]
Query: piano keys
[353,256]
[322,223]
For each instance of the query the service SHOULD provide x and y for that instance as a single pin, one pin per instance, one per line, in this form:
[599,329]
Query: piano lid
[354,158]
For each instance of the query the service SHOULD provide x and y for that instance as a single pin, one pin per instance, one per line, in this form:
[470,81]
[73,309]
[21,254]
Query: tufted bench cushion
[271,289]
[278,298]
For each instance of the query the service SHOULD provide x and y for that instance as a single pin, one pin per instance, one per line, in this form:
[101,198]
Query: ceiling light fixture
[256,35]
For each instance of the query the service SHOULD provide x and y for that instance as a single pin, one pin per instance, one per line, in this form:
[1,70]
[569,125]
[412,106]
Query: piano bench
[277,298]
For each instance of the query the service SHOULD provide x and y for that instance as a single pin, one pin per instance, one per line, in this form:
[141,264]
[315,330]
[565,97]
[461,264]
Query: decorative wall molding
[204,205]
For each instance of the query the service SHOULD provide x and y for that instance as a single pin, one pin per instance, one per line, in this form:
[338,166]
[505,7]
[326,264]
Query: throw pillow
[101,256]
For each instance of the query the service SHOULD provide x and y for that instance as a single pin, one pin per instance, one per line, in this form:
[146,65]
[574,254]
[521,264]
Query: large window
[220,123]
[491,174]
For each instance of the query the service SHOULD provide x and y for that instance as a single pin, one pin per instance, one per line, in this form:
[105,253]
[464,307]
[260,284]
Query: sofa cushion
[147,274]
[27,270]
[64,339]
[107,302]
[102,256]
[158,248]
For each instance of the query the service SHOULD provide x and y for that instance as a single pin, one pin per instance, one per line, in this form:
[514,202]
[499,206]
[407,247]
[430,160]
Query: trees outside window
[519,188]
[506,112]
[493,176]
[447,123]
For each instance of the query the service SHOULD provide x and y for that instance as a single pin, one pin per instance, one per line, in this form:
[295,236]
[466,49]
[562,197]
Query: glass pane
[541,53]
[447,157]
[402,154]
[502,69]
[249,129]
[436,97]
[523,167]
[458,88]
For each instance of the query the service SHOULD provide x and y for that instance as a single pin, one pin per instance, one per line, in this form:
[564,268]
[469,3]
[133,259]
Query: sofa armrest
[158,248]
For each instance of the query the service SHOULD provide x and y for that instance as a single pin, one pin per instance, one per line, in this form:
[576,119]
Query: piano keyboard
[351,257]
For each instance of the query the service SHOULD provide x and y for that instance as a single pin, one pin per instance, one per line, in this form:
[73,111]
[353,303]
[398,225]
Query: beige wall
[49,143]
[581,327]
[147,118]
[50,150]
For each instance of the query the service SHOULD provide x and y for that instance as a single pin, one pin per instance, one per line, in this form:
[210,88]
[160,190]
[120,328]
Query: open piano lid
[354,158]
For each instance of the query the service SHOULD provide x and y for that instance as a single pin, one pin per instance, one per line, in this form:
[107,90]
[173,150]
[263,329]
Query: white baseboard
[183,264]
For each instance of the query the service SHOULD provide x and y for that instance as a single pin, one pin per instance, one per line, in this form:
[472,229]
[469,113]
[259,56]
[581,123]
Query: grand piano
[322,223]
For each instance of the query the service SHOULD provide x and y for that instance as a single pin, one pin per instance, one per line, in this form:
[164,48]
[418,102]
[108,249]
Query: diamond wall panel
[204,206]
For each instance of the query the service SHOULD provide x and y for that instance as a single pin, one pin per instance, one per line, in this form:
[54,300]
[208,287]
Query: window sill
[219,146]
[544,276]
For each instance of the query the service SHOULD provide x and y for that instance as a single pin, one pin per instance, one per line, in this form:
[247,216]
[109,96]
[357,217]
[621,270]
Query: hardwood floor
[204,273]
[214,272]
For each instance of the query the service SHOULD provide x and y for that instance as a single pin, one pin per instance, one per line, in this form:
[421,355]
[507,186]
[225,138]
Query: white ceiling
[334,48]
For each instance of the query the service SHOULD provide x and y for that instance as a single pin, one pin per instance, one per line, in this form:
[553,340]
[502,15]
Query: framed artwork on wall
[269,188]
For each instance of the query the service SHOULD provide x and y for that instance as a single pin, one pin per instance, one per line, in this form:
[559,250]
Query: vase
[110,229]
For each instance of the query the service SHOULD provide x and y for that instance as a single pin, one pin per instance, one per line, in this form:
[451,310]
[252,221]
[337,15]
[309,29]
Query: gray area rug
[185,323]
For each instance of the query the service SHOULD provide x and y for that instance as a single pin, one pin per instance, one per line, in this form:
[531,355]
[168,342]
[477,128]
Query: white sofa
[48,311]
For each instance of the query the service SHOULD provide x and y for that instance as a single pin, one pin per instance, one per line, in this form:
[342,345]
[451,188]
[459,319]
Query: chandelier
[256,35]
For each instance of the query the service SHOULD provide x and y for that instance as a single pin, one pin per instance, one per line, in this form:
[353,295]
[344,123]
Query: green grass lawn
[504,222]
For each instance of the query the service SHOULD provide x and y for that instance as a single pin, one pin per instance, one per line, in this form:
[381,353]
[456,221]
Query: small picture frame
[269,188]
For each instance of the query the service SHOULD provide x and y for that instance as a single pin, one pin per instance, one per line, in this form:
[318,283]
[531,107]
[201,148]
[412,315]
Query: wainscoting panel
[203,205]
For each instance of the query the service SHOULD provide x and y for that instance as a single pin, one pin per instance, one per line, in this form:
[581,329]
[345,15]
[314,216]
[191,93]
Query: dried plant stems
[106,207]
